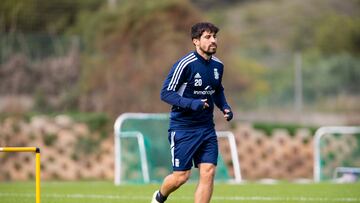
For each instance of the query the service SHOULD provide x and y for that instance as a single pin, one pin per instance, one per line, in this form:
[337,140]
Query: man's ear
[196,41]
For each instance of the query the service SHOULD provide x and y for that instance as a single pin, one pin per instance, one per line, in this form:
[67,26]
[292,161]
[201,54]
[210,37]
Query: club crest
[216,73]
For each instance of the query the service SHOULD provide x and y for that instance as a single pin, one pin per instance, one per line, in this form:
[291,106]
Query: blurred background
[69,68]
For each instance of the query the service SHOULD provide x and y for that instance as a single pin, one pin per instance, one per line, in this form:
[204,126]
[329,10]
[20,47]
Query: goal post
[37,163]
[234,154]
[142,150]
[121,131]
[335,147]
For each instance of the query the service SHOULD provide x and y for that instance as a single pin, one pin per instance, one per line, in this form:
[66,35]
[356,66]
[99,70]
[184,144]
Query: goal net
[337,154]
[142,150]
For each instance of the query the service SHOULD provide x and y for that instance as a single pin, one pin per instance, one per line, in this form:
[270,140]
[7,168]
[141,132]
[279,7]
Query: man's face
[207,43]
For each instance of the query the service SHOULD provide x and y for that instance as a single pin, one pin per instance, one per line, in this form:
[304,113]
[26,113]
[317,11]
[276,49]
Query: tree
[42,15]
[337,34]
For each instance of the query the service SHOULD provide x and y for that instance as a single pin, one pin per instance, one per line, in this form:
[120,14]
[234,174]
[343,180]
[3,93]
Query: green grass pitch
[107,192]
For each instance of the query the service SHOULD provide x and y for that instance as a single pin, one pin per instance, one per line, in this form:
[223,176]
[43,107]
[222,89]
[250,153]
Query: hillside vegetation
[116,58]
[264,36]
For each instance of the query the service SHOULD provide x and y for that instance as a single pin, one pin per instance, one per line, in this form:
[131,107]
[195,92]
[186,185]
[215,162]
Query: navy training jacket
[190,80]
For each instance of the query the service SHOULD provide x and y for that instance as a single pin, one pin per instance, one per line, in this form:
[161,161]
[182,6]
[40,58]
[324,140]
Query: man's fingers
[206,105]
[228,114]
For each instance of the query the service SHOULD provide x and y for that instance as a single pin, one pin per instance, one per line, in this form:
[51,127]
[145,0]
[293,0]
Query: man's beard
[209,53]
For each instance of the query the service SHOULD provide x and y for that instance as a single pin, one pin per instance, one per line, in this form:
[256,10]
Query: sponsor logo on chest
[207,91]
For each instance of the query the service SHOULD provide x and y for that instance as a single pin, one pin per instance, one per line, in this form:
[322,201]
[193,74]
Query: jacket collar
[201,58]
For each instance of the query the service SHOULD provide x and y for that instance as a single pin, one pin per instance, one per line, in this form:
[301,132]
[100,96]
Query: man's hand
[228,114]
[206,105]
[199,104]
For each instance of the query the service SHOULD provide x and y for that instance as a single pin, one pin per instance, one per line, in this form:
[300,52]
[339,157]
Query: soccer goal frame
[318,135]
[119,135]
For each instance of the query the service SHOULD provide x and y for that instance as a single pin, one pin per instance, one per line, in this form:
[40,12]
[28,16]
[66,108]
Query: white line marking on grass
[288,199]
[234,198]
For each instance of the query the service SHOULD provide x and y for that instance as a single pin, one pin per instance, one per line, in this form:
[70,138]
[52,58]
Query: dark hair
[199,28]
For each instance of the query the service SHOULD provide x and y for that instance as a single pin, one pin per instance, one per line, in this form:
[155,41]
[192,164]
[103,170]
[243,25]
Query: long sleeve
[220,99]
[173,82]
[173,98]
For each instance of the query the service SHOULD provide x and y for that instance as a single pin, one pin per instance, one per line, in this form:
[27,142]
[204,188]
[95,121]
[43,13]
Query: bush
[268,128]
